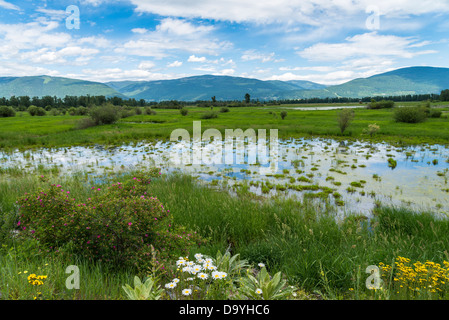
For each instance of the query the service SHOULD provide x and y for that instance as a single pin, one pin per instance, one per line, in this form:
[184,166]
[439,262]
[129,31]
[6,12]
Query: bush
[435,113]
[105,114]
[209,115]
[126,112]
[344,119]
[119,224]
[283,114]
[7,112]
[383,104]
[149,111]
[85,123]
[224,109]
[54,112]
[36,111]
[184,111]
[410,114]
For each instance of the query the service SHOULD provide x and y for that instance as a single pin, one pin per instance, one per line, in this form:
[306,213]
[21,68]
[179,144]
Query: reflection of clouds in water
[414,179]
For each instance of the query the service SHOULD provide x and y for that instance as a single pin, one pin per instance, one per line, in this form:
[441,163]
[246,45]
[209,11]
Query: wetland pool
[347,176]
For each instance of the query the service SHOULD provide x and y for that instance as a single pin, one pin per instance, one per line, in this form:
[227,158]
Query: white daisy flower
[261,265]
[180,262]
[208,260]
[197,268]
[203,276]
[259,291]
[216,275]
[187,269]
[175,280]
[198,256]
[190,263]
[223,275]
[170,285]
[187,292]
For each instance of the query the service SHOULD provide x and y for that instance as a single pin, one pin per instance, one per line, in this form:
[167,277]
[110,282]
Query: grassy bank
[24,131]
[315,251]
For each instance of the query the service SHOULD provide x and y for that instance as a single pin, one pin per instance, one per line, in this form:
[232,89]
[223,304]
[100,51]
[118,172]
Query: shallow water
[419,180]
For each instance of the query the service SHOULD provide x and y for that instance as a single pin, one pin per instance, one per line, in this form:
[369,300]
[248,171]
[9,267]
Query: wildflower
[198,256]
[187,292]
[261,265]
[175,280]
[203,276]
[216,275]
[170,285]
[259,291]
[196,268]
[180,262]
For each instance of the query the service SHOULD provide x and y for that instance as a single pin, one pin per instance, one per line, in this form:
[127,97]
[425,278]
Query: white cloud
[139,30]
[9,6]
[174,35]
[146,65]
[311,12]
[194,58]
[174,64]
[367,44]
[253,55]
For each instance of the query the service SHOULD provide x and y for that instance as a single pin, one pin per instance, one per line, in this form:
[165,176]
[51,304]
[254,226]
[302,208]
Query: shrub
[435,113]
[105,114]
[36,111]
[138,111]
[126,112]
[184,111]
[54,112]
[149,111]
[209,115]
[224,109]
[283,114]
[383,104]
[7,112]
[85,123]
[344,119]
[410,114]
[119,224]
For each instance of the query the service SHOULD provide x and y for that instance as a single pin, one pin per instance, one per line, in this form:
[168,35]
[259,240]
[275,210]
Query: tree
[283,114]
[247,98]
[444,96]
[344,119]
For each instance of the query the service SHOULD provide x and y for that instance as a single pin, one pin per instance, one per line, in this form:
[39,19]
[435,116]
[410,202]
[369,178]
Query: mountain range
[404,81]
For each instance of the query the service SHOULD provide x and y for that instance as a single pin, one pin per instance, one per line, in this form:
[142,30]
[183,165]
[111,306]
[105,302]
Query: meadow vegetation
[143,235]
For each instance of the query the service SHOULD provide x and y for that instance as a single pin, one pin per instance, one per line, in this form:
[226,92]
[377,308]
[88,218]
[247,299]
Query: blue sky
[325,41]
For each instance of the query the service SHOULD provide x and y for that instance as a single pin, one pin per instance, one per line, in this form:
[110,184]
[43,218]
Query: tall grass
[304,240]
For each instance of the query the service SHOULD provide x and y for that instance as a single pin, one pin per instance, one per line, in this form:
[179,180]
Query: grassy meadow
[25,131]
[318,255]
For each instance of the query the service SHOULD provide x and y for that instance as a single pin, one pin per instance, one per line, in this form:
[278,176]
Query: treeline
[22,103]
[403,98]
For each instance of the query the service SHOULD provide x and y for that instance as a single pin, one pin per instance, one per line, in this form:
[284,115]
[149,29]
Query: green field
[24,131]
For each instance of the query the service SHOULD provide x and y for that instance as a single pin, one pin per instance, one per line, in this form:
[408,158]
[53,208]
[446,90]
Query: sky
[324,41]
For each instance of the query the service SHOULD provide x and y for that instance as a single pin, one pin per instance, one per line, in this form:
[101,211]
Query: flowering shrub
[116,224]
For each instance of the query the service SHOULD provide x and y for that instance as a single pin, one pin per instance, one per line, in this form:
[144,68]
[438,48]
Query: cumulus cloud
[309,12]
[9,6]
[367,44]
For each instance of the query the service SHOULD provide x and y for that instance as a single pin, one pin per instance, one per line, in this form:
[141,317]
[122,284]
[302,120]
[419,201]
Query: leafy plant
[262,286]
[148,290]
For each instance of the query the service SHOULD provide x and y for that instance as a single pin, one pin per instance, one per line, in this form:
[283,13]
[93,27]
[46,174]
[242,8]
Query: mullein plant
[224,277]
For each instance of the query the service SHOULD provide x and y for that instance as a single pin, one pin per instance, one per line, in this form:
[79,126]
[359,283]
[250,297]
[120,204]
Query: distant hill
[53,86]
[405,81]
[206,86]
